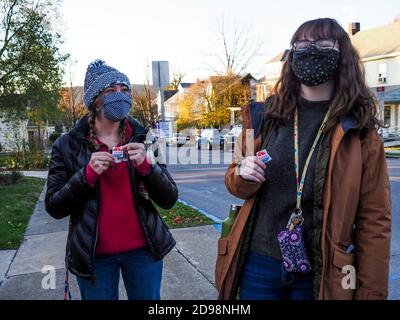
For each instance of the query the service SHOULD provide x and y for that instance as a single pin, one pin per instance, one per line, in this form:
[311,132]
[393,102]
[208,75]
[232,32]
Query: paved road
[202,184]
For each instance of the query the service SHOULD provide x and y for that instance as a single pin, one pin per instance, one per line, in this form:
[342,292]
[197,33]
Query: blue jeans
[265,278]
[140,272]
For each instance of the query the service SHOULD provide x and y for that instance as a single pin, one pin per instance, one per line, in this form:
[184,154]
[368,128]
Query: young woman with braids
[316,222]
[113,227]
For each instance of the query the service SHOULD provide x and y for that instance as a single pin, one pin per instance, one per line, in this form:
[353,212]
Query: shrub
[33,159]
[9,178]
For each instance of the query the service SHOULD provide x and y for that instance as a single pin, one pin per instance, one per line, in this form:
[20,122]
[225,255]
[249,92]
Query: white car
[210,138]
[231,137]
[178,139]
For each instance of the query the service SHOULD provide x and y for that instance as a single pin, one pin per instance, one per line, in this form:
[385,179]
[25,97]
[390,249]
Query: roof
[248,77]
[186,85]
[169,93]
[392,96]
[378,41]
[262,79]
[172,99]
[282,56]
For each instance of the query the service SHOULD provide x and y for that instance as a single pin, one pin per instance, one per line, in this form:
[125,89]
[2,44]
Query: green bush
[35,159]
[9,178]
[28,160]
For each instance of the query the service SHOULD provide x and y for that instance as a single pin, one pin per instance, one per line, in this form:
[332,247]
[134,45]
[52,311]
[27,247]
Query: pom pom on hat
[100,76]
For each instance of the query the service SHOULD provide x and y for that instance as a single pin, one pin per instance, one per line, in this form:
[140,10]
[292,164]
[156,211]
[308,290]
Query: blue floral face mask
[116,106]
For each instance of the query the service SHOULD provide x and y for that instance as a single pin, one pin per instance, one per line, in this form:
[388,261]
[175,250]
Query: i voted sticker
[263,156]
[118,154]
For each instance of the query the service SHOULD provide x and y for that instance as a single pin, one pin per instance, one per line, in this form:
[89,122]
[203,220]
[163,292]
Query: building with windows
[379,50]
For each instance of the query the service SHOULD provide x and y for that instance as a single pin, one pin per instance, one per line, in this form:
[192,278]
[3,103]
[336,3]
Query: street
[202,185]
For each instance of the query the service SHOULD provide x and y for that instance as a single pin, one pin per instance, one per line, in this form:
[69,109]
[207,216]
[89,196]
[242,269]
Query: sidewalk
[188,268]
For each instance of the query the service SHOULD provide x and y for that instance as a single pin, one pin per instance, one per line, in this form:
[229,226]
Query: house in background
[167,95]
[273,70]
[379,50]
[171,104]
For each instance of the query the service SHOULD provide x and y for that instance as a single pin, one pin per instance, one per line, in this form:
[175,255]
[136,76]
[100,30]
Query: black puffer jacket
[69,195]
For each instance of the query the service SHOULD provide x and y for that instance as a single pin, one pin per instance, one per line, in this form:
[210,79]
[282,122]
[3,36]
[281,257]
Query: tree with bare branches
[235,49]
[143,107]
[177,78]
[71,100]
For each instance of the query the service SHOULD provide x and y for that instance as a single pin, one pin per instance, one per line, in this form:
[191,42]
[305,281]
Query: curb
[218,221]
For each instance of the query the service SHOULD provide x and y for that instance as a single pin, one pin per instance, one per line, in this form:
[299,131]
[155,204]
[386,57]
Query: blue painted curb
[218,221]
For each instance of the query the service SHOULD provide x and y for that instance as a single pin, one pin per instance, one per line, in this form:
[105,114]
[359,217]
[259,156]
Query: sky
[129,34]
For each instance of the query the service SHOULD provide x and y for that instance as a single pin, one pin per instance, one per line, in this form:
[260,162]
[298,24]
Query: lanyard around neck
[300,184]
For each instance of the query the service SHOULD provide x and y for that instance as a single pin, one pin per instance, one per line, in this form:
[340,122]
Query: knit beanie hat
[100,76]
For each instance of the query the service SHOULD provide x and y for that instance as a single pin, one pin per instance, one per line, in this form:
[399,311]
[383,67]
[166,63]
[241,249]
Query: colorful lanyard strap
[300,184]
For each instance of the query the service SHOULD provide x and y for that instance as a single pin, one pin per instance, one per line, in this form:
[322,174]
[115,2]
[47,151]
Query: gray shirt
[277,195]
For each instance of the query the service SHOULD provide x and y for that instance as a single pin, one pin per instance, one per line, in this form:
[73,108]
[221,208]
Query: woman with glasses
[316,222]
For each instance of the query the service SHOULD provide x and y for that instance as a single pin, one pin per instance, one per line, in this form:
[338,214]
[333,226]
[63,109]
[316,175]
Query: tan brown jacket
[356,209]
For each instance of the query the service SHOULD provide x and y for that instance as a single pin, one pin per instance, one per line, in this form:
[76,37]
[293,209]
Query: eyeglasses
[320,44]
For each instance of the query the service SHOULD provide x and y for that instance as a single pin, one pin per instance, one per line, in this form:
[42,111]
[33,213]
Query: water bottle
[228,222]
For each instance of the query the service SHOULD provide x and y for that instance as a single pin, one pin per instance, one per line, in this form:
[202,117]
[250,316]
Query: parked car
[210,138]
[231,137]
[178,140]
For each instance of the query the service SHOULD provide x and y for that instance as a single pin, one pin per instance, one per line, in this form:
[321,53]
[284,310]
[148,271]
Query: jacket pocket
[343,275]
[220,265]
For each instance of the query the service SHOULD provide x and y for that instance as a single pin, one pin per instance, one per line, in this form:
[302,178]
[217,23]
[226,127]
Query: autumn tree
[191,105]
[71,105]
[71,102]
[143,107]
[224,92]
[207,103]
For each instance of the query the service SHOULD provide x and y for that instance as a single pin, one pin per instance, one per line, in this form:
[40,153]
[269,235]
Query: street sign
[166,129]
[160,71]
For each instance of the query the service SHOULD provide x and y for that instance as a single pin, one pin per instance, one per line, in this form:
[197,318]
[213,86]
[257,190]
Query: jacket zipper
[93,276]
[133,186]
[97,214]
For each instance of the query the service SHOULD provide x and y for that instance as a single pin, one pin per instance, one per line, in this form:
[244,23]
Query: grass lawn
[16,206]
[182,216]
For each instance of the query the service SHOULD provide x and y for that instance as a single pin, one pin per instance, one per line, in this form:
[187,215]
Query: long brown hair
[92,124]
[351,94]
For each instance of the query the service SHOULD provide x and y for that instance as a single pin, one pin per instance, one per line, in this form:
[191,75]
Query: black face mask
[315,67]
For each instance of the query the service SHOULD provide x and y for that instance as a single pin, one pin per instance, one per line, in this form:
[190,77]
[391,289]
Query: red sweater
[119,227]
